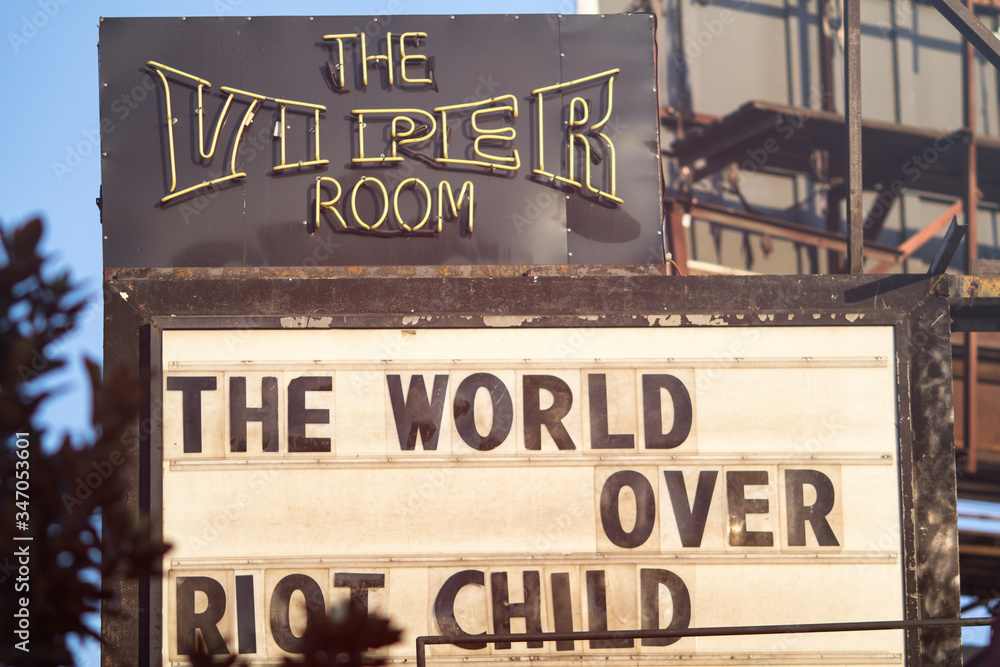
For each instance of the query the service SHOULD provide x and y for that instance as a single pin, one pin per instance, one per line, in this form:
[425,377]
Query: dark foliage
[68,488]
[71,488]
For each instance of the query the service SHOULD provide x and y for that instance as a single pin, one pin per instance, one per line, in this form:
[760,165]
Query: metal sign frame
[142,303]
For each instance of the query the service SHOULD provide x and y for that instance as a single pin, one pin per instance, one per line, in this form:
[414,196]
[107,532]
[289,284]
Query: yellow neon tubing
[395,139]
[417,36]
[340,49]
[364,60]
[199,80]
[170,140]
[395,204]
[541,143]
[316,133]
[202,84]
[455,206]
[361,145]
[388,57]
[354,202]
[607,116]
[571,146]
[329,204]
[500,134]
[492,100]
[247,119]
[611,169]
[203,184]
[395,121]
[218,125]
[317,162]
[170,133]
[444,136]
[575,82]
[573,121]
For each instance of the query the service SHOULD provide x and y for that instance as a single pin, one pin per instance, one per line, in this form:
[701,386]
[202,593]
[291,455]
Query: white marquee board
[517,479]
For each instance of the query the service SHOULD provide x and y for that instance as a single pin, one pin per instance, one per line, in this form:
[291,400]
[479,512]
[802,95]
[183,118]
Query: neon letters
[384,138]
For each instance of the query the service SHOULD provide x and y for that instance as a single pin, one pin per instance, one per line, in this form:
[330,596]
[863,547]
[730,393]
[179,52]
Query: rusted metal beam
[677,236]
[825,56]
[719,631]
[852,112]
[966,22]
[915,242]
[952,238]
[879,211]
[970,412]
[971,408]
[833,197]
[786,230]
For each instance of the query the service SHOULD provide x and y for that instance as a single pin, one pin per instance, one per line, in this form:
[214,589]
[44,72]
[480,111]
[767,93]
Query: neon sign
[413,133]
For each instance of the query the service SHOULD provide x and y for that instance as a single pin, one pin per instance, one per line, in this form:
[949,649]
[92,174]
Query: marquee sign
[380,140]
[470,481]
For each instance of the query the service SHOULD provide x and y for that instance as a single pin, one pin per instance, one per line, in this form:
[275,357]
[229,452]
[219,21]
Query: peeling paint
[506,320]
[851,317]
[768,317]
[412,319]
[661,321]
[710,320]
[123,295]
[791,316]
[306,322]
[816,316]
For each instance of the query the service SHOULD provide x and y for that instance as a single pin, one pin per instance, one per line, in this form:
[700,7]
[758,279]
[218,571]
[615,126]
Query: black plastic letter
[299,415]
[188,622]
[465,411]
[551,418]
[815,514]
[417,413]
[683,415]
[191,388]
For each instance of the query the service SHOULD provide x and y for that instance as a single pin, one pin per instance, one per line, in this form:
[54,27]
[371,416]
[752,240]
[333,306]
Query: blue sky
[51,165]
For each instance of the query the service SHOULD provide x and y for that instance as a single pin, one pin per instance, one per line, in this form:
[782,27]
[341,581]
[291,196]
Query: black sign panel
[303,141]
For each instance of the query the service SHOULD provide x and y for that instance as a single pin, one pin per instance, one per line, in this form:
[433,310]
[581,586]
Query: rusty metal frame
[852,119]
[140,303]
[964,19]
[923,235]
[818,238]
[720,631]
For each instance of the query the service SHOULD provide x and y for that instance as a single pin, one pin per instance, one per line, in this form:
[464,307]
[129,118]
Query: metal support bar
[825,57]
[786,230]
[947,250]
[677,236]
[970,412]
[875,220]
[970,27]
[925,234]
[852,113]
[834,195]
[971,407]
[721,631]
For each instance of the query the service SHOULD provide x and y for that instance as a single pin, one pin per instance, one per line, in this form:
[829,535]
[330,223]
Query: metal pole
[827,104]
[970,382]
[852,117]
[722,631]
